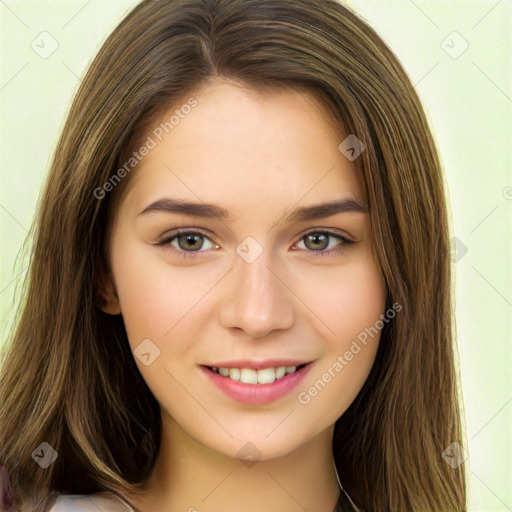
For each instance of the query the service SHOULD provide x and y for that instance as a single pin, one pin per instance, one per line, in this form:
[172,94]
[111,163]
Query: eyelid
[170,235]
[173,233]
[192,229]
[329,231]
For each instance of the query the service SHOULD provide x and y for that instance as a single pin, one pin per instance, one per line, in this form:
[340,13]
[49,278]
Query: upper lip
[258,364]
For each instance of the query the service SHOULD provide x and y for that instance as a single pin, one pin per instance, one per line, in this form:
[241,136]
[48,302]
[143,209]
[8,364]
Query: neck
[189,476]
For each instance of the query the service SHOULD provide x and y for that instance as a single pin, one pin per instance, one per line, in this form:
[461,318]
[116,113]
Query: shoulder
[104,501]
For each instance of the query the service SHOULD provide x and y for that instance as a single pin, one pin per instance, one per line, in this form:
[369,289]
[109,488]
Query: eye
[186,243]
[318,241]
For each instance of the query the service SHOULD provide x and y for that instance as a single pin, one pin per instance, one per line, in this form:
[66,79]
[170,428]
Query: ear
[106,296]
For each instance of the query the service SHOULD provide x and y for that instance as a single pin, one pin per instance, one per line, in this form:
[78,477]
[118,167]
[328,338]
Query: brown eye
[187,243]
[317,241]
[190,241]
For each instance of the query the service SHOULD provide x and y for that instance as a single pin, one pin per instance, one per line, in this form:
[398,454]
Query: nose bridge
[258,302]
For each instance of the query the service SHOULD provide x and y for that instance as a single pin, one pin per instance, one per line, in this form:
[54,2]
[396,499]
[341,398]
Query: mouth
[255,376]
[256,383]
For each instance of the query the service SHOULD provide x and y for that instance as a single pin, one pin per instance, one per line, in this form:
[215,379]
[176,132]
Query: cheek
[154,298]
[362,297]
[362,300]
[352,310]
[347,300]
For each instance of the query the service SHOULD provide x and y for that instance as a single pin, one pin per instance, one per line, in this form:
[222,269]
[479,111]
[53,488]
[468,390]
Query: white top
[103,501]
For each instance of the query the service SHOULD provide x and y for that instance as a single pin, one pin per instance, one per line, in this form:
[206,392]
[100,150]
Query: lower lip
[257,394]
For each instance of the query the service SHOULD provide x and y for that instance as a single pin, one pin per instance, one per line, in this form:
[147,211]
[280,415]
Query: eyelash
[194,254]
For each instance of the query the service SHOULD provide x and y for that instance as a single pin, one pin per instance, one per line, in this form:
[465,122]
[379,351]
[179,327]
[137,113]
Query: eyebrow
[317,211]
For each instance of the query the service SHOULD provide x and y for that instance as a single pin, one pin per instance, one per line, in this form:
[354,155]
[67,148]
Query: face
[256,283]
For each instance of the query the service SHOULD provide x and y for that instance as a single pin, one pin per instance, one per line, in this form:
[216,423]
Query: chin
[262,444]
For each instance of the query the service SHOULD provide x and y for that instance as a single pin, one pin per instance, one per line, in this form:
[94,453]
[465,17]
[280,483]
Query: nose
[258,300]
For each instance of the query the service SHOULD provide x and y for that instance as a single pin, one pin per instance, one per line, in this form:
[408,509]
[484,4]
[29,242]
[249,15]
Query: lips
[253,376]
[252,382]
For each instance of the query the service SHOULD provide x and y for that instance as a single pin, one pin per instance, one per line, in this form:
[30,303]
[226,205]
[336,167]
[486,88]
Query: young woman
[239,296]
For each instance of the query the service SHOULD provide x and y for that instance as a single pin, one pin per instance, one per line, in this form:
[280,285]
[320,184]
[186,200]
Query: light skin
[258,156]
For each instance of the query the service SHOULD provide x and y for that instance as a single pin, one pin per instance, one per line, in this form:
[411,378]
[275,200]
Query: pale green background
[469,105]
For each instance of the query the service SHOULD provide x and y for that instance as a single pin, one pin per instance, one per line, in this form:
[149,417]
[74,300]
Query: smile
[256,386]
[250,376]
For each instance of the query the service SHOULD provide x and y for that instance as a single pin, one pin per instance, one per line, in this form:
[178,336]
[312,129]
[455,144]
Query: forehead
[239,147]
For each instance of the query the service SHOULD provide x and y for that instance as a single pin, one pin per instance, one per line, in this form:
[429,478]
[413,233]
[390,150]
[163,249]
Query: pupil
[319,238]
[190,240]
[196,240]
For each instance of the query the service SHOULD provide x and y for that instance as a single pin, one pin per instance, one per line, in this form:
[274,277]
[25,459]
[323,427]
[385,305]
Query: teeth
[266,376]
[234,374]
[250,376]
[280,372]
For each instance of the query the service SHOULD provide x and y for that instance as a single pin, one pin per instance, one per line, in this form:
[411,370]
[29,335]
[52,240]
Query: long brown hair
[68,377]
